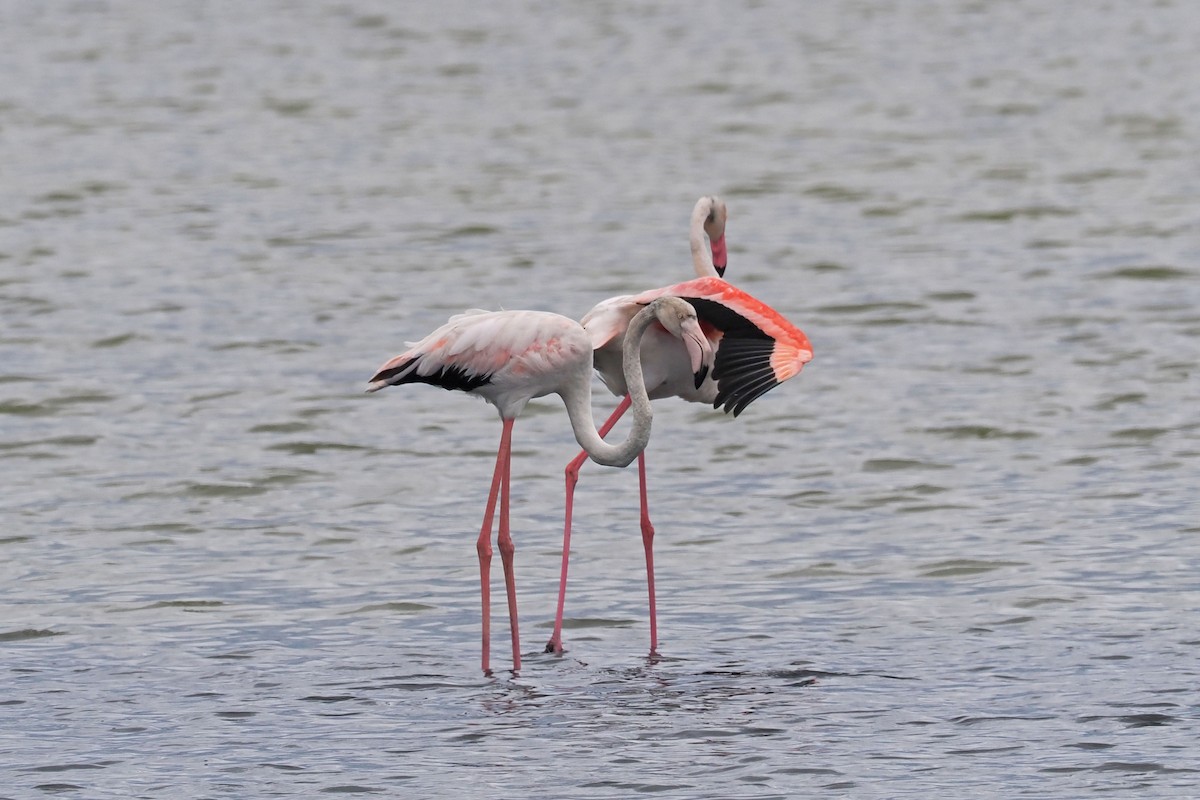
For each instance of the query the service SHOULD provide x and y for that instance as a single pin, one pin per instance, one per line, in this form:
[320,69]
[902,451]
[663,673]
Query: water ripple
[958,551]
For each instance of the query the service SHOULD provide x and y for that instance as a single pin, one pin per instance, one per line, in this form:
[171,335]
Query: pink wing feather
[758,348]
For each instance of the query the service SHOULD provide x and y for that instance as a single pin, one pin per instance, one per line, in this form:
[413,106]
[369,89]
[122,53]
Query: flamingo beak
[720,255]
[699,351]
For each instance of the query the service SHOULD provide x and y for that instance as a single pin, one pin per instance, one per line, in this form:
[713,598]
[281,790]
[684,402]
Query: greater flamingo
[756,350]
[510,357]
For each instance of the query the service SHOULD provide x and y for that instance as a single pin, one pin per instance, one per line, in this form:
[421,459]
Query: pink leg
[648,544]
[484,544]
[507,549]
[572,477]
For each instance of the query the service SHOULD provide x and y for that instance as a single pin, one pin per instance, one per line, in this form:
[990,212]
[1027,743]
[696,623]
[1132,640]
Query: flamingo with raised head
[510,357]
[756,349]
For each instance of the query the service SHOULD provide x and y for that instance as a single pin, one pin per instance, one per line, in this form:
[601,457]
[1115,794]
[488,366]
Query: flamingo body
[506,357]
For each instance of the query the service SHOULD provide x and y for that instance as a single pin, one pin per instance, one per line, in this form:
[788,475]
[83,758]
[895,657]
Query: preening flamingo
[510,357]
[756,350]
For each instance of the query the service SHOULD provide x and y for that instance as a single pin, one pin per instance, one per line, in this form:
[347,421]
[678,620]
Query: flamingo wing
[759,349]
[436,358]
[478,350]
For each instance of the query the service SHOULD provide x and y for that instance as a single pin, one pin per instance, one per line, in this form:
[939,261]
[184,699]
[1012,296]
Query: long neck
[702,259]
[579,404]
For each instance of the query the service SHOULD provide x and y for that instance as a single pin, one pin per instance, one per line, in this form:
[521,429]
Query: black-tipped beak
[720,254]
[699,350]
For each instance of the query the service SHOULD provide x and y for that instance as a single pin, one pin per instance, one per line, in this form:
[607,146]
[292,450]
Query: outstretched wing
[758,348]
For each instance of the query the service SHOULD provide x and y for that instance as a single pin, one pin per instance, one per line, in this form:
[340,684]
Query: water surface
[957,554]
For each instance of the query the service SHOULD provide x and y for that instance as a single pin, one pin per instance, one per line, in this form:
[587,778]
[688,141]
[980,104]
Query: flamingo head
[680,320]
[714,228]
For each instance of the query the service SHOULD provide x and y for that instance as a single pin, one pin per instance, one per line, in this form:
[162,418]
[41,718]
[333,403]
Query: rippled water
[958,554]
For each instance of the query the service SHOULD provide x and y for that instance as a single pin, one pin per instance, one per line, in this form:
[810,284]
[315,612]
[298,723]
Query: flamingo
[510,357]
[756,350]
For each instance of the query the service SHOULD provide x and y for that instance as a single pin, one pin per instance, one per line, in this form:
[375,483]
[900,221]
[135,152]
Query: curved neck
[579,403]
[702,260]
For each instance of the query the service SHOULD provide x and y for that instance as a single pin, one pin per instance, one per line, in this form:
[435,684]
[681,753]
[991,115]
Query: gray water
[957,556]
